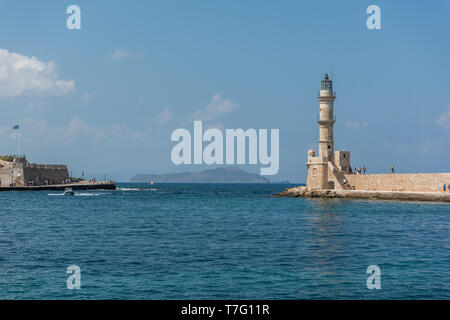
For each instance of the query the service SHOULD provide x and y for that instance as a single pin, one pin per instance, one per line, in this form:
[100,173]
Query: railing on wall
[46,166]
[334,118]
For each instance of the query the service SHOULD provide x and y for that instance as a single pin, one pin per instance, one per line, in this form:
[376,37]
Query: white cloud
[164,116]
[4,130]
[21,75]
[433,147]
[7,132]
[79,128]
[356,125]
[140,102]
[119,133]
[36,105]
[87,97]
[217,107]
[76,131]
[218,125]
[36,125]
[400,148]
[444,120]
[119,54]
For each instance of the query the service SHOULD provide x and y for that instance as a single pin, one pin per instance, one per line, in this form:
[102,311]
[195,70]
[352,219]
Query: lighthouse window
[344,155]
[329,147]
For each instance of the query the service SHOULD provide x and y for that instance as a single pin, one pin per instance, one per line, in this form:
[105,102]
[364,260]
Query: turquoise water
[170,241]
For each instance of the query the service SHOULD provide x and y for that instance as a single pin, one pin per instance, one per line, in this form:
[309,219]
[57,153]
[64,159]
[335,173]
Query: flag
[16,127]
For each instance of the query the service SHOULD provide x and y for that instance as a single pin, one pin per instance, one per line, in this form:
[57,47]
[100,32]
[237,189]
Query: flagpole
[20,138]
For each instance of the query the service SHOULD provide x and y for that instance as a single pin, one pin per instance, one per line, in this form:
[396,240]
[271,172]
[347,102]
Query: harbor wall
[304,192]
[45,174]
[22,173]
[412,182]
[98,185]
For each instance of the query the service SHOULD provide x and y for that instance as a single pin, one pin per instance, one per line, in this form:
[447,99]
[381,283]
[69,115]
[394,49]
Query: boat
[69,192]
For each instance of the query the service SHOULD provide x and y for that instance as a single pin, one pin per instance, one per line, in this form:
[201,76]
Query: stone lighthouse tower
[326,119]
[325,171]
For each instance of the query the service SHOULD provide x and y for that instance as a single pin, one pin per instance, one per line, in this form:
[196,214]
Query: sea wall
[45,174]
[6,177]
[22,173]
[304,192]
[412,182]
[98,185]
[8,174]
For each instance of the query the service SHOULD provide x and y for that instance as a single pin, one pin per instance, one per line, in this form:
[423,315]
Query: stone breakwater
[363,194]
[99,185]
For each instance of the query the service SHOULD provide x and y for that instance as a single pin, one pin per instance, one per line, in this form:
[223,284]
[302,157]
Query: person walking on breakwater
[444,188]
[364,169]
[393,169]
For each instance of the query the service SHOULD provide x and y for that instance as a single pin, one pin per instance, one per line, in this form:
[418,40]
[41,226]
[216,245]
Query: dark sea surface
[206,241]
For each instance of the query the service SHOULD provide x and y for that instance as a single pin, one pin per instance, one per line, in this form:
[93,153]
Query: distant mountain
[219,175]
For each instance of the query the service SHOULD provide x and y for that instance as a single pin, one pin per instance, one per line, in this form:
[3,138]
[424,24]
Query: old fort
[18,172]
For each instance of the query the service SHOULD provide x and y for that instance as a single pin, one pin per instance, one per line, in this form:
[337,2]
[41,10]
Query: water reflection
[325,241]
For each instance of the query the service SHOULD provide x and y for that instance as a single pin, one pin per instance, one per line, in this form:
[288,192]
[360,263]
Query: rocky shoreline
[304,192]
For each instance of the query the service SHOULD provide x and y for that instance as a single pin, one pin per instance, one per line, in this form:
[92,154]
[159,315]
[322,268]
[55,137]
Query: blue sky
[111,93]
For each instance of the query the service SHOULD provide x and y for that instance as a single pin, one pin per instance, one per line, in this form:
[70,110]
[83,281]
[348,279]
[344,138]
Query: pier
[100,185]
[304,192]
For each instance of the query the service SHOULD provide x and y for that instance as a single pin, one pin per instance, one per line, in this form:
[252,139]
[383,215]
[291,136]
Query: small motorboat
[69,192]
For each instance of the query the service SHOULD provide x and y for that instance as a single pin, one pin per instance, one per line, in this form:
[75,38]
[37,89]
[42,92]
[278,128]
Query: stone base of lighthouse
[327,172]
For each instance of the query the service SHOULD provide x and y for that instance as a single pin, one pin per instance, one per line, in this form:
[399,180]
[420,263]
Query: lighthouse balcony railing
[318,118]
[334,93]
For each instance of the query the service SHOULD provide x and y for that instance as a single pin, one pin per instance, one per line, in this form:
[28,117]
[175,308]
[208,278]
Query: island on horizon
[218,175]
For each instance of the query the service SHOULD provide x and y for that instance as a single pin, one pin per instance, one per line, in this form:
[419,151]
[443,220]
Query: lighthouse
[327,169]
[326,119]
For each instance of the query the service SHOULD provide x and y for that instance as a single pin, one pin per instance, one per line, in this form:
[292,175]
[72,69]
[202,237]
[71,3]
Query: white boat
[69,192]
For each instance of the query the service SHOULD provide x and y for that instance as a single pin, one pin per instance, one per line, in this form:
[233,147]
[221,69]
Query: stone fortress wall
[22,173]
[412,182]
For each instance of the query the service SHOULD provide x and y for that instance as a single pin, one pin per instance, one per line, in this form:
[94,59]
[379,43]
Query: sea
[219,241]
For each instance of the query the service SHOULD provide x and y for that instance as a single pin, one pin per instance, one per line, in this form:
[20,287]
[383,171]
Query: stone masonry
[22,173]
[413,182]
